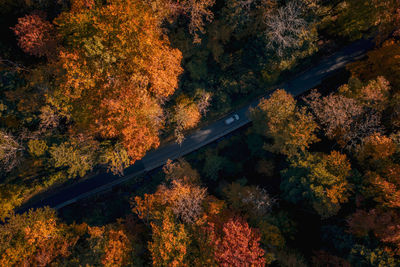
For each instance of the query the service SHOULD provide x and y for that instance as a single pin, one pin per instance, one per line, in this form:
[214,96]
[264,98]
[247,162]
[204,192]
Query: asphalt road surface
[153,159]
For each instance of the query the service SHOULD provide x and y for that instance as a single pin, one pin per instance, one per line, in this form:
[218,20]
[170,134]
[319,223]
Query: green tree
[213,165]
[319,180]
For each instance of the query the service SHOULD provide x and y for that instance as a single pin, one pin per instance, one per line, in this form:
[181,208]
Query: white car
[234,117]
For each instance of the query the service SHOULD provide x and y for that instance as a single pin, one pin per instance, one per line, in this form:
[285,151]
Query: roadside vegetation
[90,85]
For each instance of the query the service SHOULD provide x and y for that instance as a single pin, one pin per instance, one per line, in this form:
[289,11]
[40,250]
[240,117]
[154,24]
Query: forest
[91,86]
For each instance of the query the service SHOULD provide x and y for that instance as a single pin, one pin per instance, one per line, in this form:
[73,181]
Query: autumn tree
[374,94]
[10,150]
[287,28]
[385,225]
[363,256]
[251,200]
[186,115]
[181,171]
[35,238]
[78,156]
[245,17]
[319,180]
[49,118]
[116,158]
[357,17]
[169,242]
[37,147]
[36,35]
[236,244]
[377,155]
[344,119]
[185,200]
[291,128]
[107,245]
[383,61]
[116,69]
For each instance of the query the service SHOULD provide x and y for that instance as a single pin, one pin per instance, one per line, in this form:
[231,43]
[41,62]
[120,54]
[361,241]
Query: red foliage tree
[237,244]
[35,35]
[385,225]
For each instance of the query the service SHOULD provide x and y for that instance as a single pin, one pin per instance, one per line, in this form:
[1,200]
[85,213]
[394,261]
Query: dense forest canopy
[89,86]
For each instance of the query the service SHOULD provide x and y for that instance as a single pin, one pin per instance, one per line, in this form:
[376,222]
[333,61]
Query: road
[154,159]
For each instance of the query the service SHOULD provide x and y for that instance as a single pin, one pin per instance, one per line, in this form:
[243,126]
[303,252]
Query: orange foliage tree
[112,243]
[35,238]
[377,156]
[186,115]
[383,61]
[185,201]
[116,69]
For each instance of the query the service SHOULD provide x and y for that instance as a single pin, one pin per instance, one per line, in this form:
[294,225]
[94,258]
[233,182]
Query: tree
[115,71]
[35,238]
[376,151]
[383,61]
[364,256]
[290,128]
[320,180]
[36,35]
[9,151]
[181,171]
[106,245]
[185,200]
[117,159]
[357,17]
[237,244]
[384,224]
[286,28]
[375,94]
[377,156]
[288,257]
[79,157]
[117,249]
[343,118]
[49,119]
[251,200]
[186,115]
[213,165]
[37,147]
[169,242]
[384,186]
